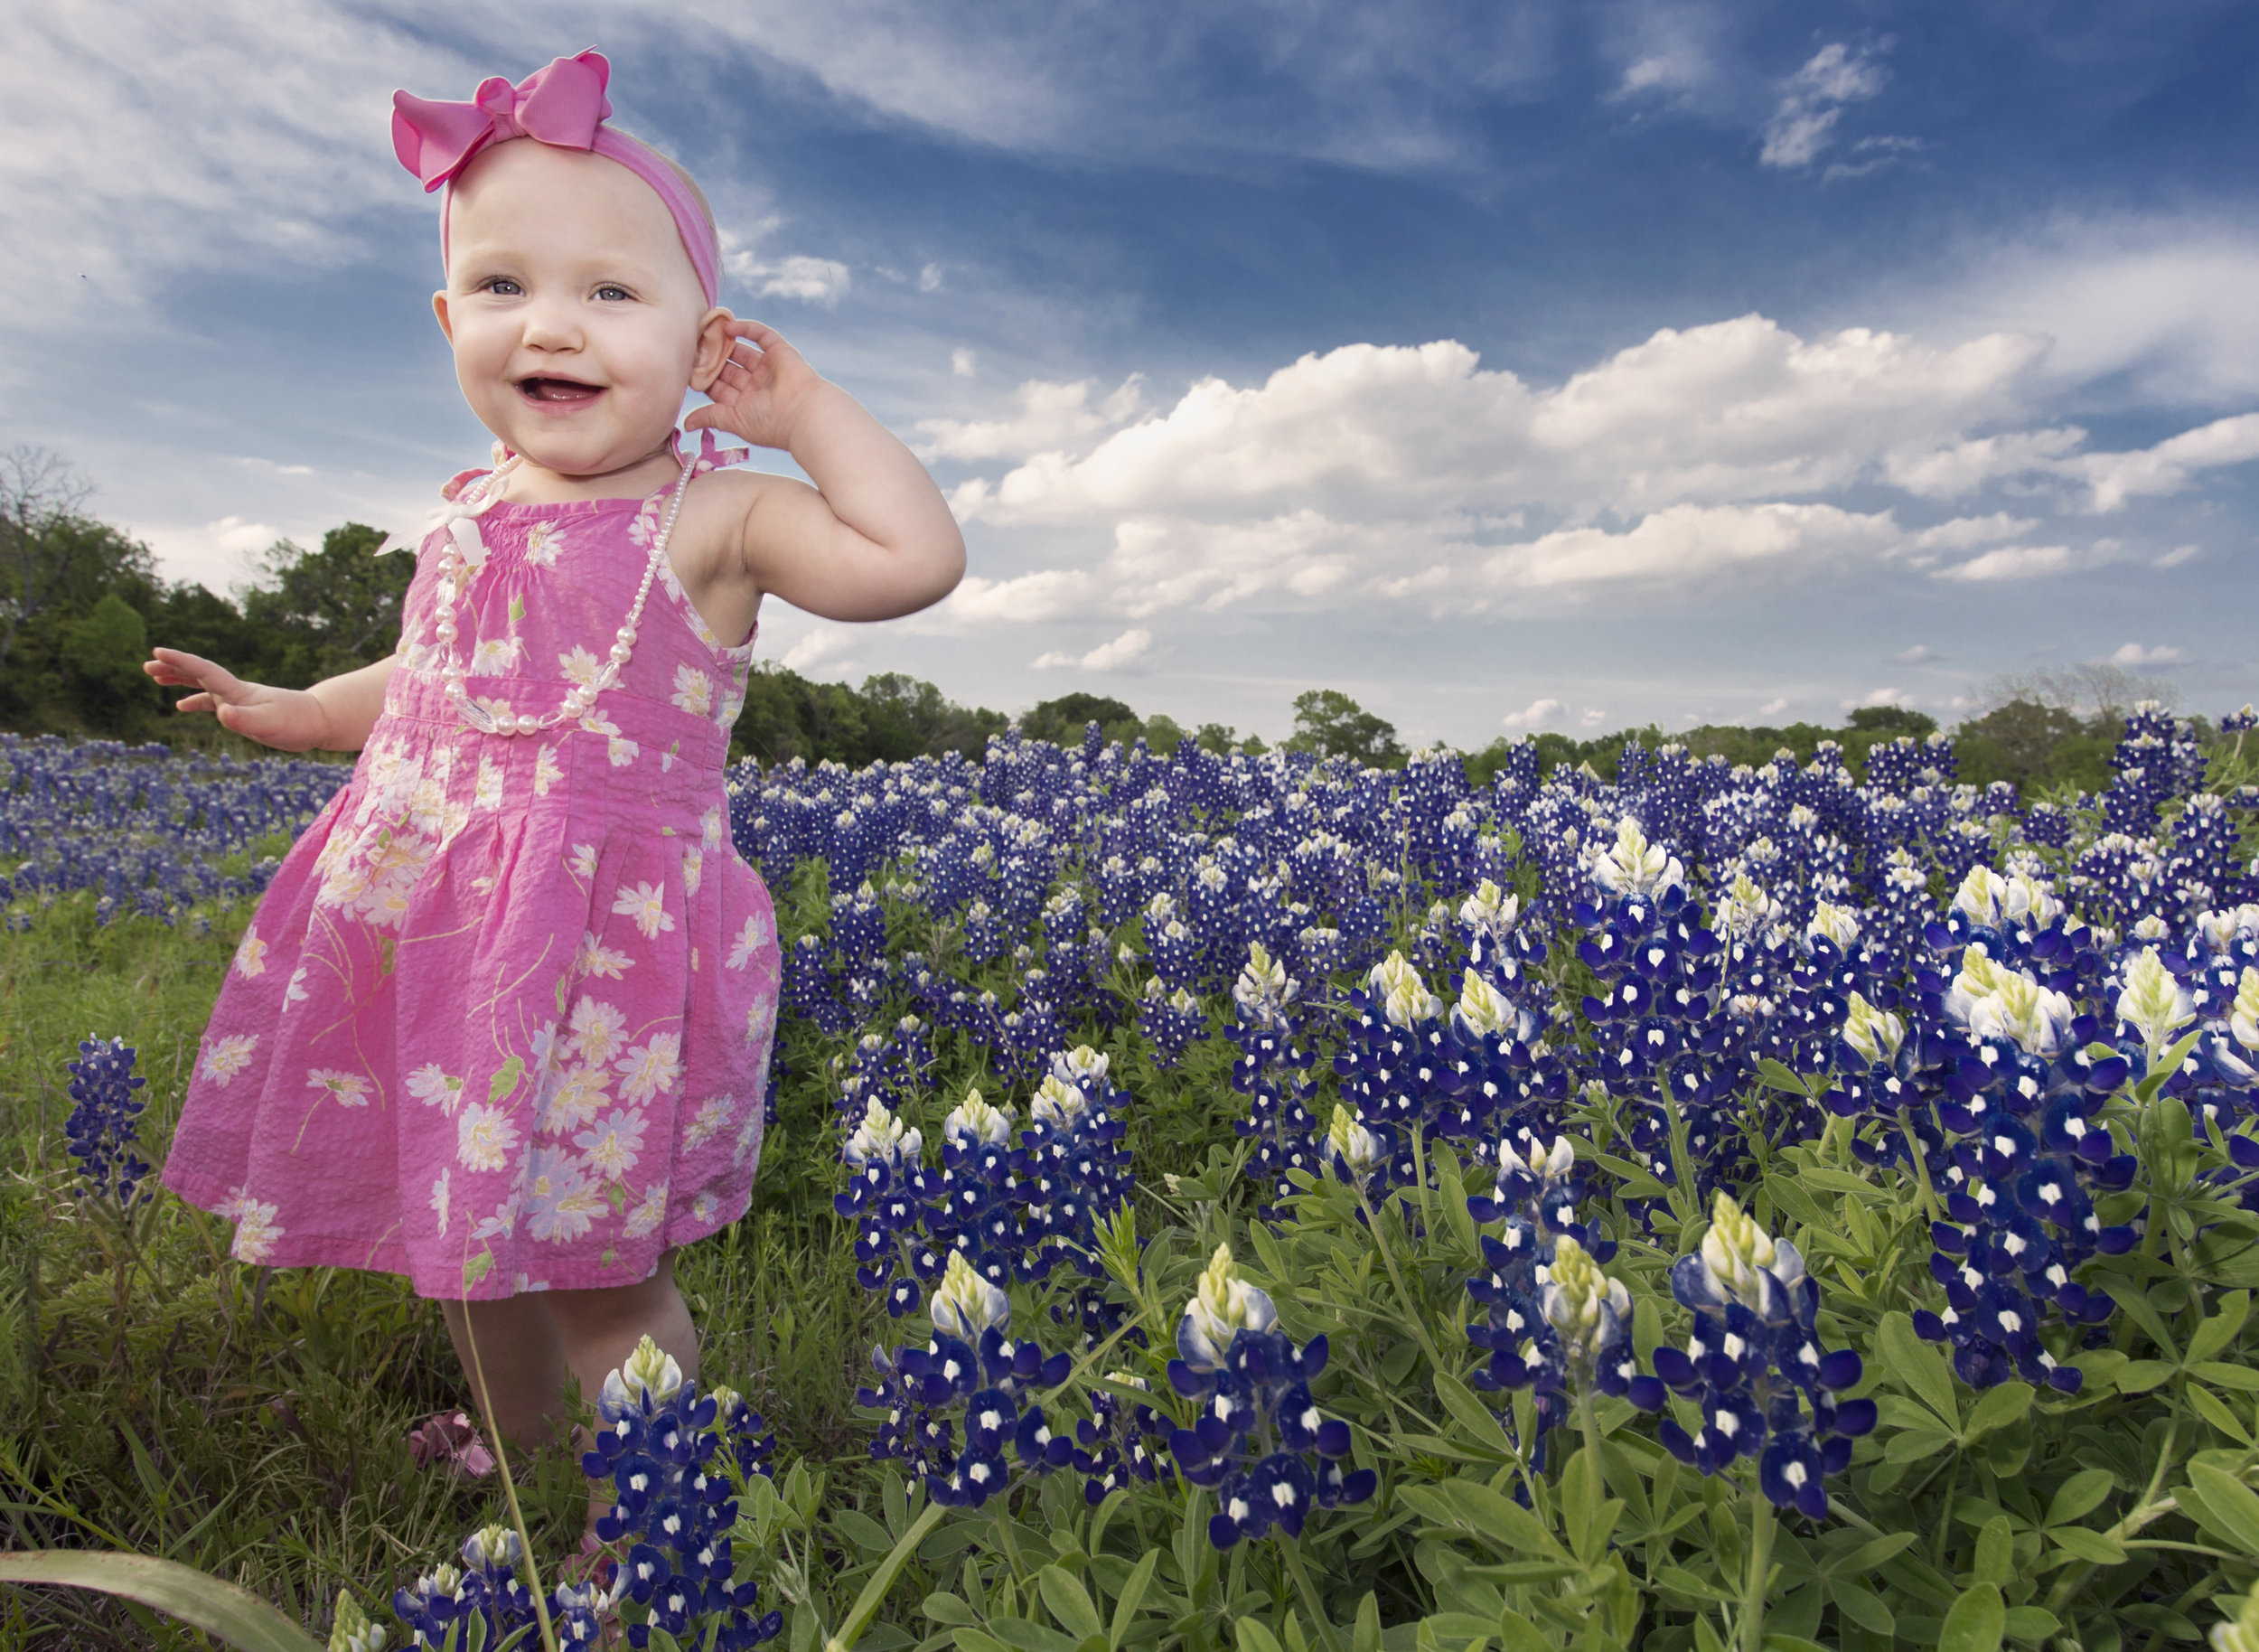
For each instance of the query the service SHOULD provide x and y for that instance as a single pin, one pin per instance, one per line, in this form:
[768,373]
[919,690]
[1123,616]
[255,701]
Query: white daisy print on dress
[599,1029]
[495,657]
[613,1145]
[484,1138]
[546,771]
[694,690]
[347,1089]
[705,1207]
[488,793]
[503,1223]
[594,958]
[651,1069]
[295,992]
[435,1087]
[711,1119]
[251,953]
[646,903]
[579,665]
[644,1219]
[227,1056]
[756,937]
[439,1201]
[543,544]
[580,1094]
[583,863]
[561,1203]
[256,1228]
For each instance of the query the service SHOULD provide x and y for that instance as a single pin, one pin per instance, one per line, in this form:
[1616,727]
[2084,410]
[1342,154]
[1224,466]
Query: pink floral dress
[503,1019]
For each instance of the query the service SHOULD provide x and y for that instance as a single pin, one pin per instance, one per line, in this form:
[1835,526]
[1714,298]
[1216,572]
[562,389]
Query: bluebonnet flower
[1110,1445]
[103,1129]
[970,1374]
[674,1502]
[1259,1441]
[485,1587]
[1753,1366]
[1271,1069]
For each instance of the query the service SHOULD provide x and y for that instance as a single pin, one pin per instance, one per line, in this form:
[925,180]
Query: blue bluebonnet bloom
[1259,1441]
[1753,1366]
[970,1374]
[1111,1445]
[674,1502]
[103,1129]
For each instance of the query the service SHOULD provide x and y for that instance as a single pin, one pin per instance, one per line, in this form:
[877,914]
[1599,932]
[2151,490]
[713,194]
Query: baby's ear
[439,308]
[715,342]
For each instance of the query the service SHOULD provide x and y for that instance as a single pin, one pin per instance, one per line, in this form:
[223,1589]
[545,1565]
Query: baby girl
[503,1022]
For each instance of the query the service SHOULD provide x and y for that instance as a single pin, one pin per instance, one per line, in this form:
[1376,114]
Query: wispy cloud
[1812,100]
[2135,657]
[1127,652]
[1537,712]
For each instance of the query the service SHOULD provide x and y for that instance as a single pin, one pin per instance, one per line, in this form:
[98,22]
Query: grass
[156,1395]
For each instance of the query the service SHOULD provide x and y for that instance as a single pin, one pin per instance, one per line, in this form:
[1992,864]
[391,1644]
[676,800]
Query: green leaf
[2216,1332]
[1024,1636]
[1792,1643]
[1976,1622]
[1131,1596]
[948,1609]
[232,1613]
[2032,1623]
[974,1640]
[1777,1076]
[1518,1634]
[2233,1505]
[505,1080]
[1070,1604]
[1788,1195]
[2216,1414]
[1680,1580]
[1867,1556]
[2225,1376]
[1996,1551]
[2081,1542]
[1471,1415]
[1253,1636]
[2080,1496]
[1918,1367]
[1996,1408]
[865,1532]
[1491,1515]
[1914,1445]
[1706,1637]
[1366,1636]
[1862,1605]
[2141,1376]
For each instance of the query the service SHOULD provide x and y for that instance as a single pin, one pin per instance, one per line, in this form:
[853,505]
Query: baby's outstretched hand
[290,719]
[760,388]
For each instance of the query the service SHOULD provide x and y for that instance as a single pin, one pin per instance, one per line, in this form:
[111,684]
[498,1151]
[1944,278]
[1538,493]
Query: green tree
[329,610]
[102,656]
[1328,722]
[2036,745]
[1891,721]
[1061,720]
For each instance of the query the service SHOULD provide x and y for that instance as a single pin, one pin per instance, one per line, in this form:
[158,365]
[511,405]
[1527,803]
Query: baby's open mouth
[558,389]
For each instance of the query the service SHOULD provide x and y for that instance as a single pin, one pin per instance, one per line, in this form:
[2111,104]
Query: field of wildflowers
[1255,1201]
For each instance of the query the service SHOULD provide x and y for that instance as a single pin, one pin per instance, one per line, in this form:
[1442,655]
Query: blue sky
[1508,365]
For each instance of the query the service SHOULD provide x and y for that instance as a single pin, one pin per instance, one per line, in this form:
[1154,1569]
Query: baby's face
[574,311]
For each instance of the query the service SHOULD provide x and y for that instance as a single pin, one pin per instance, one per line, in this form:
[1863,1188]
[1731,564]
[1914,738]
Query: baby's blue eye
[503,286]
[609,291]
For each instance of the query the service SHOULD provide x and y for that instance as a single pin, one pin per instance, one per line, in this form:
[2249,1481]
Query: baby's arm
[878,540]
[334,714]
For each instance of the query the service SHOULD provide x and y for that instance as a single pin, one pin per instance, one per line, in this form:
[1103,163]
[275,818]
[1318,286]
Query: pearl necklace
[466,551]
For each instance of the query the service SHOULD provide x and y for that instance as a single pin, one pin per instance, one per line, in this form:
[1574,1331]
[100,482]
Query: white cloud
[2177,555]
[1692,542]
[2168,467]
[1968,532]
[1878,697]
[215,555]
[1050,415]
[1773,708]
[2012,562]
[1946,473]
[1047,594]
[1811,101]
[961,362]
[1593,716]
[1125,652]
[930,278]
[1921,653]
[1537,711]
[2134,656]
[824,643]
[810,279]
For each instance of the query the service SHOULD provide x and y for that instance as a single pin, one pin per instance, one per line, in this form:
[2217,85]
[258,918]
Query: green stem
[1009,1538]
[1930,1207]
[1388,1258]
[510,1487]
[873,1595]
[2148,1510]
[1291,1548]
[1759,1573]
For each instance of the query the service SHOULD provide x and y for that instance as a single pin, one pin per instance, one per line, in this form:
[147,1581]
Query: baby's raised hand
[289,720]
[760,388]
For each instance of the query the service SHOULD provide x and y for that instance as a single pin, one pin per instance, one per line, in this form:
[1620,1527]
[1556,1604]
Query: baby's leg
[599,1329]
[513,1344]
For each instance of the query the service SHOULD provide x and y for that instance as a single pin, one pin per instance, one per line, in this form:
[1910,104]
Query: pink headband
[563,104]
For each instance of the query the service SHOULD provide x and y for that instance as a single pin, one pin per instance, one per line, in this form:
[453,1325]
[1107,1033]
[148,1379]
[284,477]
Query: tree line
[80,602]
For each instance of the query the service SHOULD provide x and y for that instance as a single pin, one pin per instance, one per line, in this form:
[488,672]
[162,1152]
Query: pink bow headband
[563,104]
